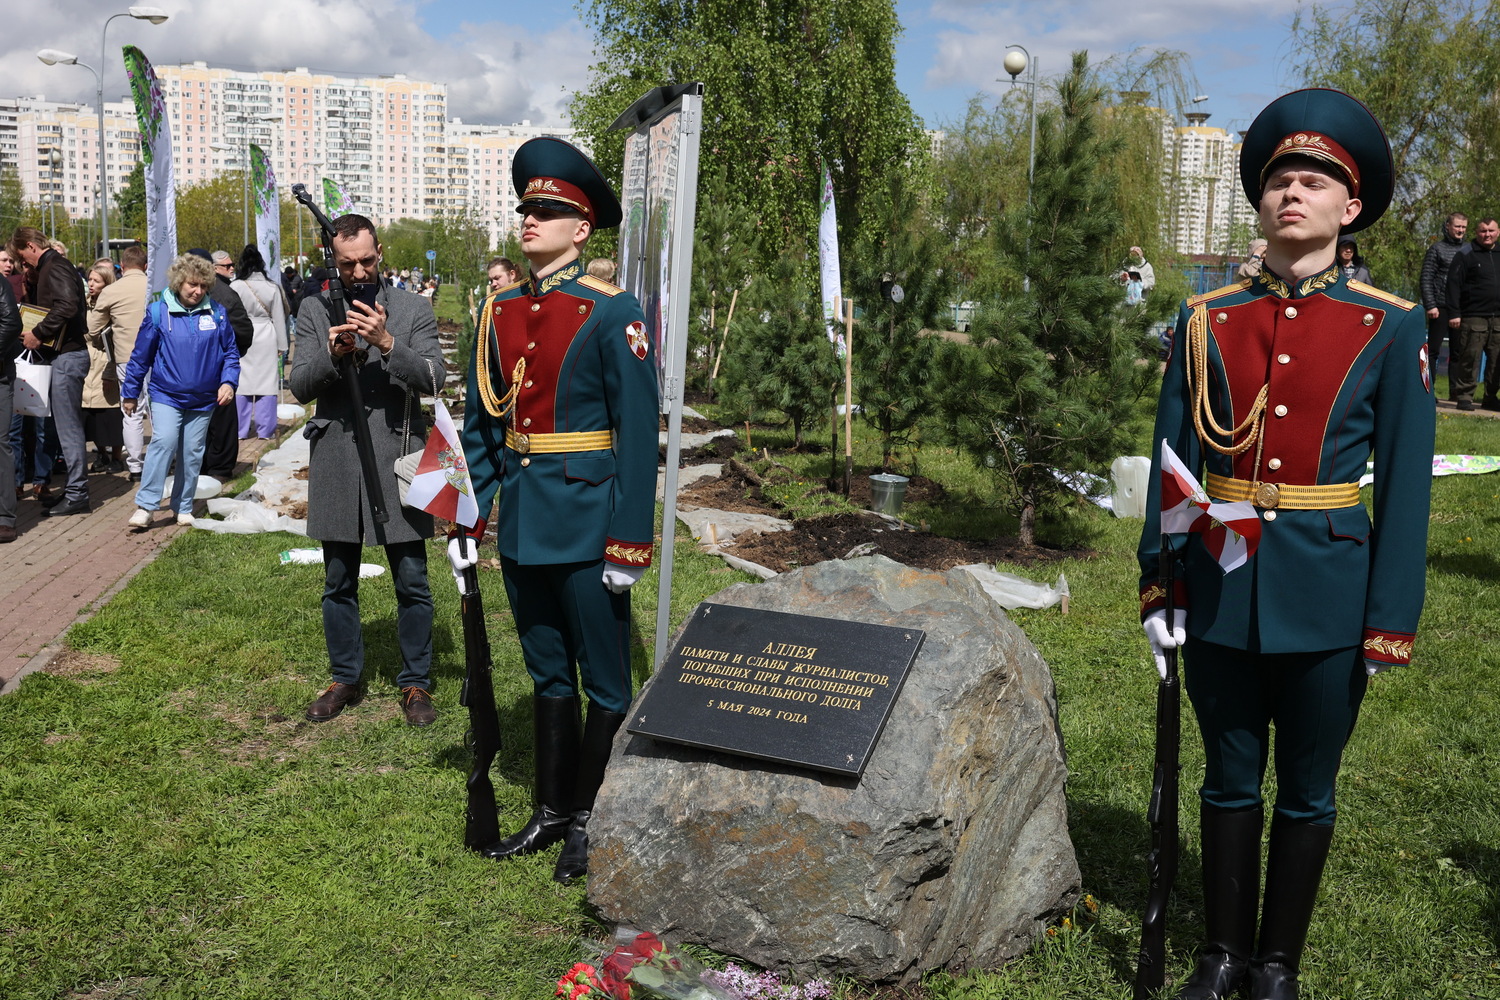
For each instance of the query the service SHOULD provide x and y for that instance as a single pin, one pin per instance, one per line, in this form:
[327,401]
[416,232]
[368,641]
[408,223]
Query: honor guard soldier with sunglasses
[1280,388]
[561,420]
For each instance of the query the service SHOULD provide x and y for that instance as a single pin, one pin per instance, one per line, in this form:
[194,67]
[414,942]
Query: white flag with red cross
[441,485]
[1231,531]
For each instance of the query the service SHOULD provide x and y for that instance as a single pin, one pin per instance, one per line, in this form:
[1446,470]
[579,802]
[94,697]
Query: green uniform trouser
[1313,699]
[565,615]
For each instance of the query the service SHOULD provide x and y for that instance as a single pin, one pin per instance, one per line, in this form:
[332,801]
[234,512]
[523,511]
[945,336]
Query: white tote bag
[33,386]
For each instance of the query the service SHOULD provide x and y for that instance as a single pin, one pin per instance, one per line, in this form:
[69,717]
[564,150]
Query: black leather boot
[598,737]
[555,730]
[1294,868]
[1231,895]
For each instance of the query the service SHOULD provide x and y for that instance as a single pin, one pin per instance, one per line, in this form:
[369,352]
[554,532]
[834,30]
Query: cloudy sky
[502,64]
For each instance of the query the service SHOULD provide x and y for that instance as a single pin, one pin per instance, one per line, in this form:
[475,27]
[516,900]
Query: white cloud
[1223,37]
[496,72]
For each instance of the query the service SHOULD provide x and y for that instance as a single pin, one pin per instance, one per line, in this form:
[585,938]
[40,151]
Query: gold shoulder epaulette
[505,288]
[1238,286]
[1384,296]
[600,285]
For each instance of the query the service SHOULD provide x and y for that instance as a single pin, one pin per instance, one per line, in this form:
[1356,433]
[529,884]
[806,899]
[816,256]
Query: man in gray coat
[398,361]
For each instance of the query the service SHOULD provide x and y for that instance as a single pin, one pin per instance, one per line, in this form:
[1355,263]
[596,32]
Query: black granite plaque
[793,688]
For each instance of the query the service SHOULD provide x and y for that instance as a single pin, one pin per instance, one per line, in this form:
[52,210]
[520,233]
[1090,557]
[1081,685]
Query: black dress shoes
[67,507]
[333,701]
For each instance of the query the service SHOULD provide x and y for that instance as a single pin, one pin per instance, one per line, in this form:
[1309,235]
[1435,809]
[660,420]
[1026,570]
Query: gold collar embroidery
[1316,283]
[556,278]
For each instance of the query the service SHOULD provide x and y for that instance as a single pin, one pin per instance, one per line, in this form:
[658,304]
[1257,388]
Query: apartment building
[1209,212]
[387,139]
[53,149]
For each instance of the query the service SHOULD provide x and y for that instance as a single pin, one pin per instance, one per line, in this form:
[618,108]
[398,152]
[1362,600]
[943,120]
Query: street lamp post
[244,121]
[316,164]
[52,56]
[51,218]
[55,162]
[1016,61]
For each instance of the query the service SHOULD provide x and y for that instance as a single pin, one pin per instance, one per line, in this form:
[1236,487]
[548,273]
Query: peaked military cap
[1326,125]
[556,174]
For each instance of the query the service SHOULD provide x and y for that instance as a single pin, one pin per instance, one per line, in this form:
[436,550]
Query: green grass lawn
[170,826]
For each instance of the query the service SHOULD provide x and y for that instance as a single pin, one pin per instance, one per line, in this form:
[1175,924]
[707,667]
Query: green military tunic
[560,425]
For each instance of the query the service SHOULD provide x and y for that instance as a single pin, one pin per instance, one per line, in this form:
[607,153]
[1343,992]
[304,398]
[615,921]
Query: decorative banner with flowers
[336,200]
[267,209]
[156,152]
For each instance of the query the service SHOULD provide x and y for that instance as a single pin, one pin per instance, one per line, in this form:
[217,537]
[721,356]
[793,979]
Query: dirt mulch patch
[816,539]
[691,425]
[75,664]
[731,491]
[720,449]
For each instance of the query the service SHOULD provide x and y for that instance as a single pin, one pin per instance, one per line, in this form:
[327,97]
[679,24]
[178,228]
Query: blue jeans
[341,628]
[178,434]
[68,371]
[41,458]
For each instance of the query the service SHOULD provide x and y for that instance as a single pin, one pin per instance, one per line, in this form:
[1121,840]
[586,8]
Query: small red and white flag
[1231,531]
[441,485]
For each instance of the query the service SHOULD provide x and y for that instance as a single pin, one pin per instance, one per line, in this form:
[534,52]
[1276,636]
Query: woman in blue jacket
[187,346]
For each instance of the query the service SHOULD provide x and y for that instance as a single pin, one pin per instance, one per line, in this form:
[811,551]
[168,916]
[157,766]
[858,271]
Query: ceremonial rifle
[1161,862]
[481,817]
[338,315]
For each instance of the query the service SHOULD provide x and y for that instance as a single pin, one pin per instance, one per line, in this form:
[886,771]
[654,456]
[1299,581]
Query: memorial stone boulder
[951,851]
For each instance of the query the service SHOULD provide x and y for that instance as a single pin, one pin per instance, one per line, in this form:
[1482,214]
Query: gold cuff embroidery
[1394,649]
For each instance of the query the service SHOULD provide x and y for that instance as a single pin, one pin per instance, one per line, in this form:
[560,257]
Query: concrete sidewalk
[60,570]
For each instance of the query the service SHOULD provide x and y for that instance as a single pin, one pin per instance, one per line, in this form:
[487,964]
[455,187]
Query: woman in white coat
[260,379]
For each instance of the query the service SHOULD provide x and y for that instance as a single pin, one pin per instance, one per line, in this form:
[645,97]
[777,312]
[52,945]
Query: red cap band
[554,189]
[1319,147]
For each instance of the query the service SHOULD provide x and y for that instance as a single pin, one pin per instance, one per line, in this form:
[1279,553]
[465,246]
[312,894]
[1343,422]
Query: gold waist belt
[553,444]
[1286,496]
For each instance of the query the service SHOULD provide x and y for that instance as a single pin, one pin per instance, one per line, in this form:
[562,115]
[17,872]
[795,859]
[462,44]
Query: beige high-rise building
[32,128]
[1209,213]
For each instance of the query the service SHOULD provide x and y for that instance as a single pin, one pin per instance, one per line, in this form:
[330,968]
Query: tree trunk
[1026,535]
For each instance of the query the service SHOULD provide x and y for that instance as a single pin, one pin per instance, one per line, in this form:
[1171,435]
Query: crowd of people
[201,359]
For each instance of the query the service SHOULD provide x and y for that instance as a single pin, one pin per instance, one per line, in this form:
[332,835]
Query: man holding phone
[393,337]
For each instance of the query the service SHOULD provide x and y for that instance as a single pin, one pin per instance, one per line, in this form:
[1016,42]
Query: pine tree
[780,357]
[1056,364]
[894,360]
[724,248]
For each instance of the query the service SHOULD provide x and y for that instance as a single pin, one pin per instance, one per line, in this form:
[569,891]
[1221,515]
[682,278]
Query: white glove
[463,553]
[619,579]
[1373,667]
[1161,639]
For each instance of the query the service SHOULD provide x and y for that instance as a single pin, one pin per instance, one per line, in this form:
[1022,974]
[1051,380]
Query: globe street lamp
[1016,61]
[51,57]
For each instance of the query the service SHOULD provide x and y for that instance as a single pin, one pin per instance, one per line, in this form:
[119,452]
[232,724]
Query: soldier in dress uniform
[561,419]
[1280,387]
